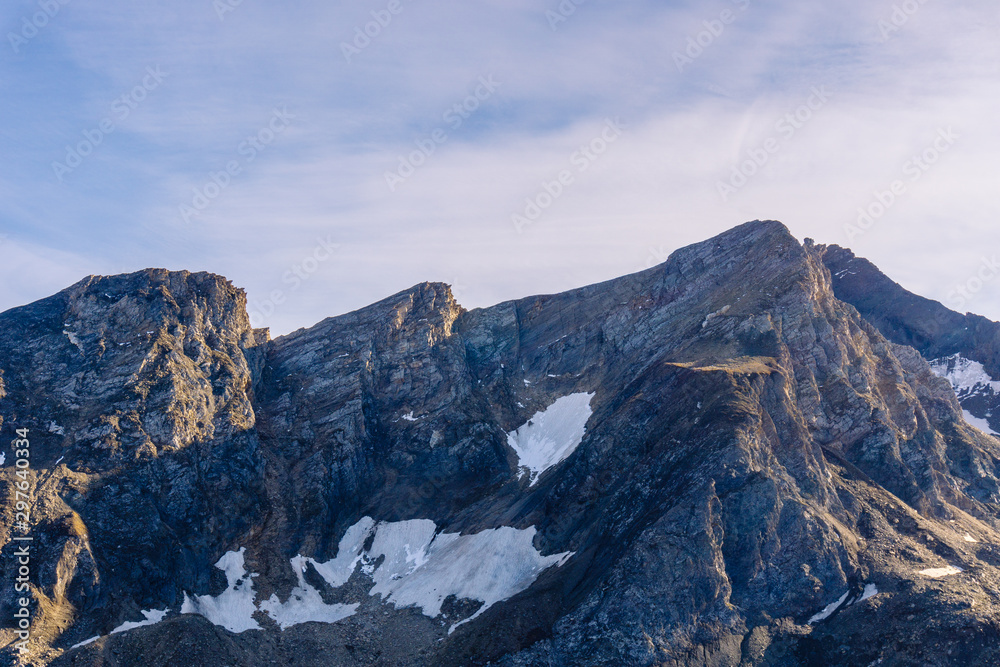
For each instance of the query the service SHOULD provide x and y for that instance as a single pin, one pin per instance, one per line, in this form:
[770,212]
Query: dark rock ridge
[937,332]
[771,473]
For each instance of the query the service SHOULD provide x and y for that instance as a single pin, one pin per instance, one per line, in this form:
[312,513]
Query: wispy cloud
[325,175]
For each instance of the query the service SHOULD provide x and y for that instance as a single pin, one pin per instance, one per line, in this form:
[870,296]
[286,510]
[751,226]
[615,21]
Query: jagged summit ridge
[753,450]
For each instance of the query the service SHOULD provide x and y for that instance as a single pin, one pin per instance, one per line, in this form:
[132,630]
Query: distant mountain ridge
[751,454]
[937,332]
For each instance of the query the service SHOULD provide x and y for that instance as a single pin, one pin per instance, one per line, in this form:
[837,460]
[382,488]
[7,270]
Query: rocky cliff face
[963,348]
[718,461]
[138,394]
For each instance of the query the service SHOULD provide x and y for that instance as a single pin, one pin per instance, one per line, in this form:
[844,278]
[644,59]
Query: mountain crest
[729,458]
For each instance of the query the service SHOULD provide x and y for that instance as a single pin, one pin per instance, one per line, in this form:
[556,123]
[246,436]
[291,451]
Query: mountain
[963,348]
[742,456]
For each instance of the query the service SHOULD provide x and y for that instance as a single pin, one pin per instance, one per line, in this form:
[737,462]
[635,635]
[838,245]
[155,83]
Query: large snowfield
[410,564]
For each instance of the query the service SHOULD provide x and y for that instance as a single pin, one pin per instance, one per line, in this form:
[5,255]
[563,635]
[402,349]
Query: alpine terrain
[760,452]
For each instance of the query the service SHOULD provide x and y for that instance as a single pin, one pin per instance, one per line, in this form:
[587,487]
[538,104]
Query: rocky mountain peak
[145,362]
[719,460]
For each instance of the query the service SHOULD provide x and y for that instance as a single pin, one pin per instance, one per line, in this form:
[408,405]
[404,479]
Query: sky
[324,155]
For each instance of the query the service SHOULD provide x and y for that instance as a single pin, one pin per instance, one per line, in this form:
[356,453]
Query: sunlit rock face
[737,457]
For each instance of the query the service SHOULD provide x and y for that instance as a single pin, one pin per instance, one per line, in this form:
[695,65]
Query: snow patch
[979,423]
[3,458]
[409,416]
[417,567]
[966,376]
[152,617]
[852,597]
[551,435]
[336,572]
[85,642]
[421,567]
[969,379]
[56,428]
[938,572]
[829,609]
[304,604]
[233,609]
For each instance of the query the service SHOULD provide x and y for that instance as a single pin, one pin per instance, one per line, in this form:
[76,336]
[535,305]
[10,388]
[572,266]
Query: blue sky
[507,148]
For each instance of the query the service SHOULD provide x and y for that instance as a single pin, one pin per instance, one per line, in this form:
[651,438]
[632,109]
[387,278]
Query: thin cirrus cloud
[318,187]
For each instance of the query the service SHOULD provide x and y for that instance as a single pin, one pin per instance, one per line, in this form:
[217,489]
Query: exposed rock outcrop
[765,471]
